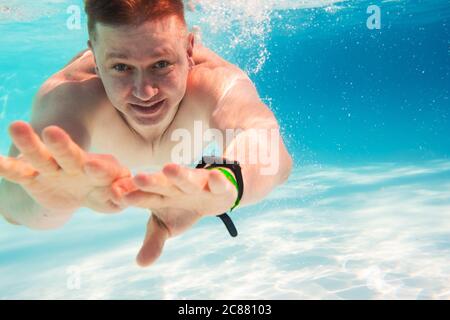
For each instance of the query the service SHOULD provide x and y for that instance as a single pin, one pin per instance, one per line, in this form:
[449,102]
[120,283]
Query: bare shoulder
[213,76]
[70,99]
[232,97]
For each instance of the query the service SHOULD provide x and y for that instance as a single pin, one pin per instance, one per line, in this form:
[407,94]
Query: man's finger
[103,172]
[32,148]
[122,187]
[102,200]
[187,180]
[156,236]
[146,200]
[154,183]
[69,156]
[16,171]
[217,182]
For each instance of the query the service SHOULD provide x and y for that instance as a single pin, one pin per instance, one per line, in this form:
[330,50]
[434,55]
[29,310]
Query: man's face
[144,69]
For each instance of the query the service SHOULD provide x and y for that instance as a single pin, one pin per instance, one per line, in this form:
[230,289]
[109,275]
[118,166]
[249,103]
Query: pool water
[365,115]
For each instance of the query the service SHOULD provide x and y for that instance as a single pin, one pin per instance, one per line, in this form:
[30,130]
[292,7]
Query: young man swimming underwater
[114,109]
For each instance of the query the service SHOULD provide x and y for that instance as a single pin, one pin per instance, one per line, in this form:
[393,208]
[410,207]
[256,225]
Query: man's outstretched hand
[58,174]
[178,197]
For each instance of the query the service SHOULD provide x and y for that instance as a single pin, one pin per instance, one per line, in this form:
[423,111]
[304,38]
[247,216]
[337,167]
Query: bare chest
[183,142]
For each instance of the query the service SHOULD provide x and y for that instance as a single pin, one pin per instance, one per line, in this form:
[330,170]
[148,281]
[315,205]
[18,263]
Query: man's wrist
[235,177]
[229,174]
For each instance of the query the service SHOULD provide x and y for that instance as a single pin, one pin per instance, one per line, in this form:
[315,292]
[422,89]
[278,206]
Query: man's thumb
[155,238]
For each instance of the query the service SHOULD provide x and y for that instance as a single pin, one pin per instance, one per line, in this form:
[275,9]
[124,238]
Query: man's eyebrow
[117,55]
[160,52]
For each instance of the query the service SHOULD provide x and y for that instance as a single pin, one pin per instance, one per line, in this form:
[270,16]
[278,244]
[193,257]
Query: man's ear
[190,49]
[89,43]
[91,46]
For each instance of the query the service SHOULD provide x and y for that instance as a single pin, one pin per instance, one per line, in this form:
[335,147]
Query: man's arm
[257,144]
[16,205]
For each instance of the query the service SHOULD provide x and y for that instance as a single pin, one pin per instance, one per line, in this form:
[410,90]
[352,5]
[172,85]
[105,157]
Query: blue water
[365,115]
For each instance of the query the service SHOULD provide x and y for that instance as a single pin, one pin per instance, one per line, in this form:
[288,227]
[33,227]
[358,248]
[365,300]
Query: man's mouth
[147,110]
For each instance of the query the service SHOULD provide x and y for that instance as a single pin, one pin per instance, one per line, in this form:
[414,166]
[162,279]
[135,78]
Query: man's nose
[144,89]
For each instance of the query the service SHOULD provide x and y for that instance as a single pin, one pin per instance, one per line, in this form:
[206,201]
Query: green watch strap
[231,178]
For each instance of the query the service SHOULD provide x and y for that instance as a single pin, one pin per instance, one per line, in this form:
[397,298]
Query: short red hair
[130,12]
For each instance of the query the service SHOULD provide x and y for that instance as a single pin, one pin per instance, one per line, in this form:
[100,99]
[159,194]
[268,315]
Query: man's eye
[121,67]
[161,65]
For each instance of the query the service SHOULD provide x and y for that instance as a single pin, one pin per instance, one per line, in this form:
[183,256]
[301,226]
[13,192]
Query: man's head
[143,54]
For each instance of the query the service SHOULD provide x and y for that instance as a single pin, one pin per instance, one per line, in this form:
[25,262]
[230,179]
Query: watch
[216,162]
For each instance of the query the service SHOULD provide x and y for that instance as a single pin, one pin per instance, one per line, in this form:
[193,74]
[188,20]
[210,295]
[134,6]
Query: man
[115,108]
